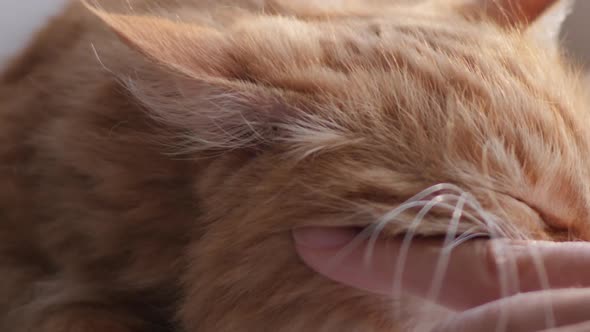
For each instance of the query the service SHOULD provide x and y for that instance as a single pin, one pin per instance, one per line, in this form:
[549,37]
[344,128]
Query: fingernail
[323,237]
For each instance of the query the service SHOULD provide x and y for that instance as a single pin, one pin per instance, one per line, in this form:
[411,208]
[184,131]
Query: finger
[582,327]
[527,312]
[477,272]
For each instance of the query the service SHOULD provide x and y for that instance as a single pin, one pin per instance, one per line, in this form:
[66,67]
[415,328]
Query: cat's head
[340,113]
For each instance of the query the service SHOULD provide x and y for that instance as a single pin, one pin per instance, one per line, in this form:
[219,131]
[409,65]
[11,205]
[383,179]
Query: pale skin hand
[472,285]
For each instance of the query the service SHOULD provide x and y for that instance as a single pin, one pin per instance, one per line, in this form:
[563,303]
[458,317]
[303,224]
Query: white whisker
[541,271]
[445,254]
[468,235]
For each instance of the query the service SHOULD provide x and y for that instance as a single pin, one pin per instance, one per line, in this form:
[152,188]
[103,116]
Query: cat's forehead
[378,54]
[419,75]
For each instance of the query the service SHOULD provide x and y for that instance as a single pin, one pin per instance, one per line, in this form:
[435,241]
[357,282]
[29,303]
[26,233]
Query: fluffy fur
[156,154]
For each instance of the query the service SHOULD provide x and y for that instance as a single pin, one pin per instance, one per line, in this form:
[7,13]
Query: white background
[19,19]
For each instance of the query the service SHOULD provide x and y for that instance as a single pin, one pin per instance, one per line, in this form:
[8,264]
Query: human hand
[528,284]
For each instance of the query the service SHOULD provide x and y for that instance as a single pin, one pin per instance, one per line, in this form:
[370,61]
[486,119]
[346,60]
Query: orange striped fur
[156,154]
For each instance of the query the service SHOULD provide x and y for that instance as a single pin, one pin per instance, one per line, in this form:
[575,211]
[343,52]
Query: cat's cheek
[251,282]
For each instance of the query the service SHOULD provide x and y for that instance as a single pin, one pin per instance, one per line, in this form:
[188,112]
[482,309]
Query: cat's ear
[547,27]
[540,18]
[190,85]
[186,48]
[510,12]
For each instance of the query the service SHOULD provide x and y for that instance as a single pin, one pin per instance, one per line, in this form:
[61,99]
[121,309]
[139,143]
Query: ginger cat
[155,155]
